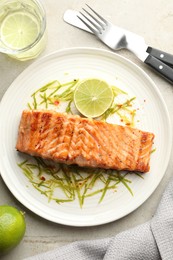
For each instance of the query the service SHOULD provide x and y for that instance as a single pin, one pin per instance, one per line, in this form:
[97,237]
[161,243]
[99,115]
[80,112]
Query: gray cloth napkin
[150,241]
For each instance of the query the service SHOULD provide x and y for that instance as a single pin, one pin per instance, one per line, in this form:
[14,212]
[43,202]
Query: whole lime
[12,228]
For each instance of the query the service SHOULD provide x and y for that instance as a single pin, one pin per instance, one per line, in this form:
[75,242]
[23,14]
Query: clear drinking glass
[22,28]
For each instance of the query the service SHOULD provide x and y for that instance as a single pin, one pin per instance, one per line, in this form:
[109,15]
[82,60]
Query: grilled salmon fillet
[72,139]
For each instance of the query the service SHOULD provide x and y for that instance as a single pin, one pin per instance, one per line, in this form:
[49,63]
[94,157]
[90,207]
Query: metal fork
[113,36]
[117,38]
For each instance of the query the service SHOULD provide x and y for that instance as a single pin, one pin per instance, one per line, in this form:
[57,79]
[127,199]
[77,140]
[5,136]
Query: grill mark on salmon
[72,139]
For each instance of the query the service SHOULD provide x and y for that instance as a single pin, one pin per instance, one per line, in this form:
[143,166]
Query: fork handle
[161,55]
[162,68]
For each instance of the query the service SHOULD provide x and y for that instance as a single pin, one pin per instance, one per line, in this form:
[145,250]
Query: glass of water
[22,28]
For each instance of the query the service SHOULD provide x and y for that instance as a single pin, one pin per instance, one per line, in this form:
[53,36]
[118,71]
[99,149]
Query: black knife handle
[161,55]
[163,69]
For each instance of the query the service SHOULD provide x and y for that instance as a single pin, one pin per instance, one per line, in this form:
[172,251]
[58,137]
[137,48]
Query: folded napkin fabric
[152,240]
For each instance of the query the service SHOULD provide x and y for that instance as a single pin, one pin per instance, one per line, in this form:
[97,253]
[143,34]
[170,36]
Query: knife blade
[138,45]
[70,17]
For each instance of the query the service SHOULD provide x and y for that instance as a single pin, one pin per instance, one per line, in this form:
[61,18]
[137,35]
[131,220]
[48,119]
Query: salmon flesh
[71,139]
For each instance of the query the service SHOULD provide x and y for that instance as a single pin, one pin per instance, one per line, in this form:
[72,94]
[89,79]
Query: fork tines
[94,24]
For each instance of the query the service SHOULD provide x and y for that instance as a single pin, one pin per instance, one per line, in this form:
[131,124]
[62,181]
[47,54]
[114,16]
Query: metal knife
[159,60]
[70,16]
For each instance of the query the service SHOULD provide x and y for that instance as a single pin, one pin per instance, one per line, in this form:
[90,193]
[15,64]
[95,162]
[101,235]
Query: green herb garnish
[63,183]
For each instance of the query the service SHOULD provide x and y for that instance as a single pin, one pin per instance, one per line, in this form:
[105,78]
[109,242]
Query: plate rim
[66,51]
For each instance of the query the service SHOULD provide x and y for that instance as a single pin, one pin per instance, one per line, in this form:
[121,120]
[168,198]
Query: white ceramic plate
[81,63]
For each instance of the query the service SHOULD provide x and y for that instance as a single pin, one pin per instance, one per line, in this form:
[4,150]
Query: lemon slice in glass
[92,97]
[19,30]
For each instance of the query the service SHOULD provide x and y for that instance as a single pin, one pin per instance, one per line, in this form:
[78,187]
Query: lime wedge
[92,97]
[19,30]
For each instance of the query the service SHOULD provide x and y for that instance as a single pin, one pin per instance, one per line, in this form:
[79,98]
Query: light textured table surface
[151,19]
